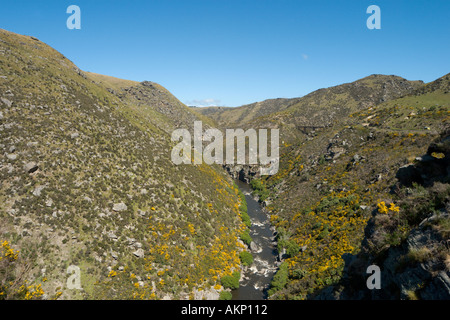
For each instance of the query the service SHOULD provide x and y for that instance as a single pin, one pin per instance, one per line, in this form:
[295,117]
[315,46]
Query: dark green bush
[246,258]
[245,236]
[231,282]
[280,279]
[225,295]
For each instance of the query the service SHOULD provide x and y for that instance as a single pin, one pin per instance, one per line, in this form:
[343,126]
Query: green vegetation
[245,236]
[246,258]
[280,279]
[225,295]
[87,181]
[260,189]
[231,281]
[243,210]
[104,194]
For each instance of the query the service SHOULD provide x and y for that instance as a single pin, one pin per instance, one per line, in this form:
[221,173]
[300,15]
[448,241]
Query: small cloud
[305,56]
[203,103]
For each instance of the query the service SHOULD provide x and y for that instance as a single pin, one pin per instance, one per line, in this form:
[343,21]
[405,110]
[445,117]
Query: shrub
[245,236]
[246,258]
[259,189]
[419,255]
[280,279]
[231,282]
[225,295]
[291,247]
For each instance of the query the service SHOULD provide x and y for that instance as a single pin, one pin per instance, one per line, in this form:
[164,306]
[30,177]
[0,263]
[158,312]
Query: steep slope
[87,181]
[410,245]
[328,185]
[341,151]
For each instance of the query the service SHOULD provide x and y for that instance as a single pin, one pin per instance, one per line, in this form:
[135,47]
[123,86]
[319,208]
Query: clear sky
[234,52]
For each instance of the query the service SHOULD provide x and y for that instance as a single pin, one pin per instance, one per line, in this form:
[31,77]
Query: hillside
[343,152]
[87,181]
[239,117]
[331,181]
[320,109]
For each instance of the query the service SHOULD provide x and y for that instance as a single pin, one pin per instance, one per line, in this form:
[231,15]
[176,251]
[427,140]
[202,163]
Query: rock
[254,247]
[1,115]
[11,157]
[408,174]
[114,255]
[139,253]
[118,207]
[358,158]
[6,101]
[266,203]
[74,135]
[336,152]
[31,167]
[207,294]
[37,191]
[112,236]
[438,289]
[142,213]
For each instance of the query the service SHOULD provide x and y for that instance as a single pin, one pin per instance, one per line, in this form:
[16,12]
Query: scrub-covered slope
[87,181]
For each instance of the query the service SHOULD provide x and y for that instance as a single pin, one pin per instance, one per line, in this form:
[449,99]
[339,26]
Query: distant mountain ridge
[319,108]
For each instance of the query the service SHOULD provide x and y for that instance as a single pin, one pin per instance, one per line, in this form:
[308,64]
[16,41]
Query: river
[257,277]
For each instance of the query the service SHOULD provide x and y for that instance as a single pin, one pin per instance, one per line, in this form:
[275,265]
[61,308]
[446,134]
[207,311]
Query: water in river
[258,276]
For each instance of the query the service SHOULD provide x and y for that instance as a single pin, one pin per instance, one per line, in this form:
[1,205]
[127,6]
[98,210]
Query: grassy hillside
[87,180]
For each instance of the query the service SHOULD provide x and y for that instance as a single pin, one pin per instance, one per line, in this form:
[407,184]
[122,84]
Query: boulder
[11,157]
[31,167]
[139,253]
[118,207]
[37,191]
[6,101]
[254,247]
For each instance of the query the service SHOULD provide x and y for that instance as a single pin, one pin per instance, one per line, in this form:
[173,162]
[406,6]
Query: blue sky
[234,52]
